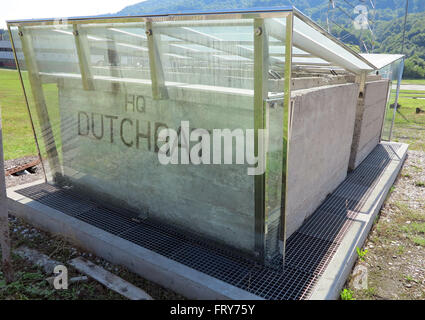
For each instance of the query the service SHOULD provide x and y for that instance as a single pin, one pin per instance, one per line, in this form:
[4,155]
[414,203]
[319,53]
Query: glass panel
[393,72]
[101,94]
[310,40]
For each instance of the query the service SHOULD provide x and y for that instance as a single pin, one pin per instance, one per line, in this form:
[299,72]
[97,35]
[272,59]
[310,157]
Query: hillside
[316,9]
[388,20]
[390,34]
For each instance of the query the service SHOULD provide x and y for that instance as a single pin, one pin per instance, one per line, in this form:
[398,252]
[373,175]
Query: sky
[31,9]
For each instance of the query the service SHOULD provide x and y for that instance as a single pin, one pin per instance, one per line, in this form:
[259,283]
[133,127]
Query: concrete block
[369,119]
[319,149]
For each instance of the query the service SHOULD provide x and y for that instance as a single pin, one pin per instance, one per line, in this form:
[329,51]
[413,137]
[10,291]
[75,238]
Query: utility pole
[4,221]
[404,28]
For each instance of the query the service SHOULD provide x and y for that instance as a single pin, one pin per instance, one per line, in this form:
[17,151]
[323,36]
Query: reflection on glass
[101,93]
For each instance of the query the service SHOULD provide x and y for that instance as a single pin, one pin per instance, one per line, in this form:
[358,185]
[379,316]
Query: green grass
[420,241]
[347,294]
[420,184]
[18,138]
[409,127]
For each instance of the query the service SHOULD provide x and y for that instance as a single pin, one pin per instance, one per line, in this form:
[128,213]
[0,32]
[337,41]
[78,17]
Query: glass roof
[312,46]
[381,60]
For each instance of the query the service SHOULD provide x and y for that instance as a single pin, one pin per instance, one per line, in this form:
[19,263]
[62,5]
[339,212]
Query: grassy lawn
[409,126]
[18,138]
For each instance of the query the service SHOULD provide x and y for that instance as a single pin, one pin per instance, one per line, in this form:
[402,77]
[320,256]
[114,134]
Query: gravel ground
[395,257]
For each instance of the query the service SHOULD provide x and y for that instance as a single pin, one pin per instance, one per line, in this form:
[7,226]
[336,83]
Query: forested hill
[388,21]
[389,38]
[316,9]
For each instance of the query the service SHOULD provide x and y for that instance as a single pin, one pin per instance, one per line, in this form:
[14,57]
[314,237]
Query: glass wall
[394,73]
[129,112]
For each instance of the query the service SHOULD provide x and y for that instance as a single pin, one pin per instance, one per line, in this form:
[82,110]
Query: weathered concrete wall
[319,150]
[110,151]
[369,117]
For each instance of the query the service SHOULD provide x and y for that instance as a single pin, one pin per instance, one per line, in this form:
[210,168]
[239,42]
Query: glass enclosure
[209,94]
[100,93]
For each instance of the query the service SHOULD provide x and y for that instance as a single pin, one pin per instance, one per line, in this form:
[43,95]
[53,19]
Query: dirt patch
[396,245]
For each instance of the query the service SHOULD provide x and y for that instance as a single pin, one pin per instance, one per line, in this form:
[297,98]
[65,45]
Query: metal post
[261,68]
[83,52]
[40,102]
[400,75]
[287,111]
[387,104]
[159,90]
[4,222]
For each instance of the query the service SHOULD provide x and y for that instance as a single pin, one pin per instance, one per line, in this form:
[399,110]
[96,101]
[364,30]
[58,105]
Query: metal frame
[83,52]
[39,100]
[287,111]
[159,90]
[207,18]
[387,102]
[400,74]
[261,54]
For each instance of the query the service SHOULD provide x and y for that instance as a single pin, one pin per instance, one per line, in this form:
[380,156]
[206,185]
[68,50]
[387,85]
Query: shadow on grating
[308,251]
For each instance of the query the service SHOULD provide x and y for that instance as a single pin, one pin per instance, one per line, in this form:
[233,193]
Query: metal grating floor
[308,251]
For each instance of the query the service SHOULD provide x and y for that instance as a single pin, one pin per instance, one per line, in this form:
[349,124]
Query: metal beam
[40,102]
[261,67]
[287,120]
[400,75]
[83,52]
[159,91]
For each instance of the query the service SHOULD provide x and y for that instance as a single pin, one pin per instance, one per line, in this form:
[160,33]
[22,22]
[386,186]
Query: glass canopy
[100,91]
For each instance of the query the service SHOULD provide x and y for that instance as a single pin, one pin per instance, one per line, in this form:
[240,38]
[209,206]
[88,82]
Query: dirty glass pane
[393,72]
[101,95]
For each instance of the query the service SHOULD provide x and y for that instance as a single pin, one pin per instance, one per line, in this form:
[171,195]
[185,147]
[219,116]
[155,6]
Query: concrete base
[333,279]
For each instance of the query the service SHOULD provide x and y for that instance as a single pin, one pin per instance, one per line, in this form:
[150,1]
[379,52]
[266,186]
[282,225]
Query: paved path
[413,87]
